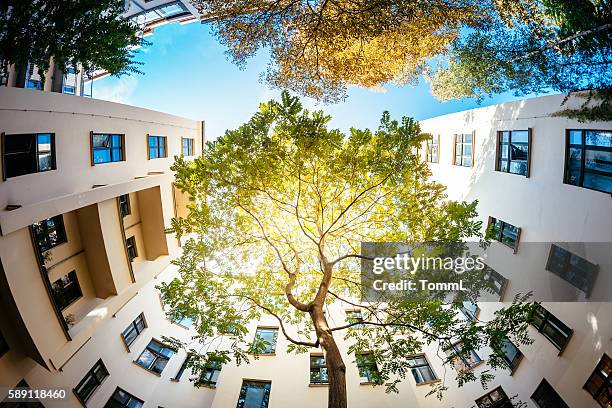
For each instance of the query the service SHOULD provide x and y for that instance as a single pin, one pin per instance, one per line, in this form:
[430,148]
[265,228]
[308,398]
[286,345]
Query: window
[421,370]
[579,272]
[66,290]
[211,374]
[463,359]
[355,316]
[599,384]
[4,347]
[265,340]
[107,148]
[134,329]
[254,394]
[187,145]
[469,310]
[433,147]
[69,81]
[588,159]
[27,153]
[157,147]
[167,11]
[505,233]
[49,233]
[464,146]
[511,354]
[318,369]
[130,245]
[124,205]
[545,396]
[155,357]
[551,327]
[90,383]
[368,370]
[497,281]
[123,399]
[495,399]
[185,321]
[513,152]
[33,80]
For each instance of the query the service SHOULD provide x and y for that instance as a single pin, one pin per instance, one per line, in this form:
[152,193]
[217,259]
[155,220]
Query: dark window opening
[134,329]
[254,394]
[155,357]
[124,205]
[513,152]
[187,145]
[579,272]
[503,232]
[599,384]
[49,233]
[28,153]
[494,399]
[91,382]
[107,148]
[157,147]
[123,399]
[66,290]
[130,245]
[318,369]
[545,396]
[588,159]
[551,327]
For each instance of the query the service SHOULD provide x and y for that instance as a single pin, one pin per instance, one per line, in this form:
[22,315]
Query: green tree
[90,32]
[570,53]
[279,209]
[318,48]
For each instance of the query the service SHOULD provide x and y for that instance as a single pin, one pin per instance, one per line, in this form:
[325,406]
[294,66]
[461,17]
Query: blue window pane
[101,156]
[162,151]
[598,160]
[518,167]
[575,137]
[598,182]
[45,162]
[152,141]
[595,138]
[153,152]
[116,154]
[116,140]
[44,141]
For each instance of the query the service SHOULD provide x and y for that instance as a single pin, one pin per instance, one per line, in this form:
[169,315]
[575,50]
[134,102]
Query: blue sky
[186,73]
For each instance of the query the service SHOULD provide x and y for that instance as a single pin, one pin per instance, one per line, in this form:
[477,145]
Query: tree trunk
[336,370]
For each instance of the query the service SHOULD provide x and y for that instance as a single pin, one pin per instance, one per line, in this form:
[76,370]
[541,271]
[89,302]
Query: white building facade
[80,310]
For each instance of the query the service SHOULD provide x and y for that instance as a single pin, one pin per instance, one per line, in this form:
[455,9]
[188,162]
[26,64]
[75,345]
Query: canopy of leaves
[91,32]
[279,209]
[320,47]
[570,53]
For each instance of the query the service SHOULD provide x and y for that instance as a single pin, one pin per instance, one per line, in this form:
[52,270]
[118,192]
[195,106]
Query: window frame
[124,201]
[583,149]
[134,325]
[206,377]
[491,275]
[429,149]
[418,366]
[569,270]
[190,145]
[558,401]
[453,353]
[514,363]
[37,153]
[157,147]
[367,361]
[119,403]
[606,382]
[550,320]
[59,228]
[157,356]
[91,374]
[110,148]
[498,151]
[498,237]
[321,369]
[130,243]
[273,349]
[358,319]
[462,144]
[505,402]
[266,385]
[72,282]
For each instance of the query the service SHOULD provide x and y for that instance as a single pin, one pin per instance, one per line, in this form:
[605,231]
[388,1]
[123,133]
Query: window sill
[372,383]
[146,369]
[428,382]
[263,355]
[318,385]
[211,386]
